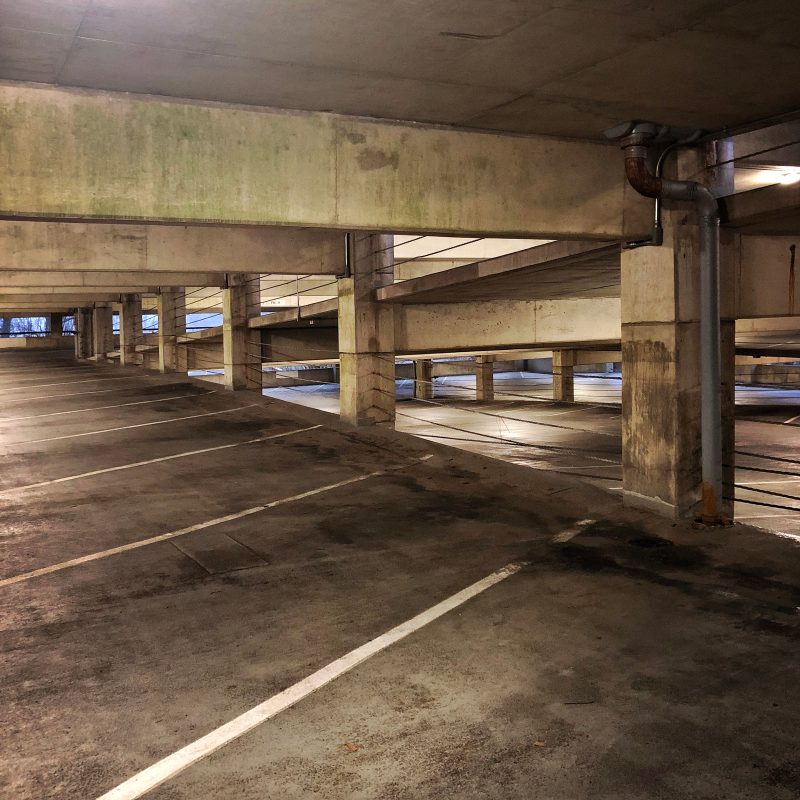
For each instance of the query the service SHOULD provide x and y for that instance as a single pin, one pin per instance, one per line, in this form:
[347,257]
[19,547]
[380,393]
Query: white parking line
[163,537]
[72,383]
[573,531]
[105,408]
[154,461]
[129,427]
[69,394]
[178,761]
[790,421]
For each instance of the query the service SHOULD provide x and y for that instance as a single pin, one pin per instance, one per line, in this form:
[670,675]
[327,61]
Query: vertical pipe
[635,144]
[710,367]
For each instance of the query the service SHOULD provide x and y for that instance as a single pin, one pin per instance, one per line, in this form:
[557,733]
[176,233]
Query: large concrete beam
[69,298]
[77,291]
[126,157]
[82,247]
[767,272]
[454,327]
[40,280]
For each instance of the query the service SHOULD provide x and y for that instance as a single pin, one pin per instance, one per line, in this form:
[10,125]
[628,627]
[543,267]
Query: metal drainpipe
[635,146]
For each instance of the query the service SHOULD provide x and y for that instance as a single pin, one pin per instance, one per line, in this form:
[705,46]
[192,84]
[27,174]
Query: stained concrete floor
[524,427]
[629,658]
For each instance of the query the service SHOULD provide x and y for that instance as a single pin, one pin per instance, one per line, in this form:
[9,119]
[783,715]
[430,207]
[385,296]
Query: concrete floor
[524,427]
[629,658]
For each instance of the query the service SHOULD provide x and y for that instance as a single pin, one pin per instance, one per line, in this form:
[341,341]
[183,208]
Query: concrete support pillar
[130,329]
[56,324]
[83,333]
[484,379]
[564,376]
[423,379]
[241,345]
[102,331]
[366,333]
[661,446]
[171,309]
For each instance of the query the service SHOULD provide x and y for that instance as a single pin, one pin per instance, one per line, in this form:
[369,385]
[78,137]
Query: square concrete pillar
[484,379]
[102,332]
[56,326]
[423,379]
[564,376]
[661,445]
[130,329]
[366,333]
[241,346]
[171,309]
[83,333]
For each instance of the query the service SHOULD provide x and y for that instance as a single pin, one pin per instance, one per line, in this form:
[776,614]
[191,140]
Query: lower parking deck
[209,594]
[523,426]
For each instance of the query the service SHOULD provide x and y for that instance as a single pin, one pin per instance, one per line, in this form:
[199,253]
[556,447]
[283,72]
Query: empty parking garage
[399,401]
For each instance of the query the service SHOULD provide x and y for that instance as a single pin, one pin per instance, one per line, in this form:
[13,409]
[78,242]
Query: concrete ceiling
[562,67]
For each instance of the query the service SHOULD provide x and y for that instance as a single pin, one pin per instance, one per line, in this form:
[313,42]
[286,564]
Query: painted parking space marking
[137,425]
[177,762]
[69,394]
[165,537]
[105,408]
[73,383]
[134,464]
[574,530]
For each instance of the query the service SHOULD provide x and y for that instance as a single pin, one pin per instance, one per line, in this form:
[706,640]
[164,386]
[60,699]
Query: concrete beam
[542,272]
[132,157]
[310,311]
[38,308]
[99,280]
[83,291]
[83,247]
[455,327]
[768,276]
[72,299]
[771,210]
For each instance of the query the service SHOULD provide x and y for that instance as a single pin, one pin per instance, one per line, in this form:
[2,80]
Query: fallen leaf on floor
[538,744]
[350,747]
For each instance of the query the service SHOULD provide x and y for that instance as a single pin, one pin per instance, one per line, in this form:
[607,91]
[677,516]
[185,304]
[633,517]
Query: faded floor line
[185,454]
[72,383]
[69,394]
[105,408]
[790,421]
[164,537]
[172,765]
[137,425]
[573,530]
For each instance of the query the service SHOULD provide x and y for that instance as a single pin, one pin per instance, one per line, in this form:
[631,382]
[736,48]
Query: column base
[367,390]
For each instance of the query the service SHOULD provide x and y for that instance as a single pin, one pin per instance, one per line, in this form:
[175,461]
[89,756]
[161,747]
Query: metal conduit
[635,143]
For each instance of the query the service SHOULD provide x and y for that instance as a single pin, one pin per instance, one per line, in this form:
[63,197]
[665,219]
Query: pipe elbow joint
[640,177]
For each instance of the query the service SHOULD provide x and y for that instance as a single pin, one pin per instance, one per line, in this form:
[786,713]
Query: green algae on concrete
[101,155]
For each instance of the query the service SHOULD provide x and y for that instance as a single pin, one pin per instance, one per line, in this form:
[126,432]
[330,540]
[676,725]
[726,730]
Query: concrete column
[564,376]
[130,329]
[661,448]
[366,333]
[102,331]
[241,346]
[56,324]
[484,379]
[171,309]
[423,379]
[83,333]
